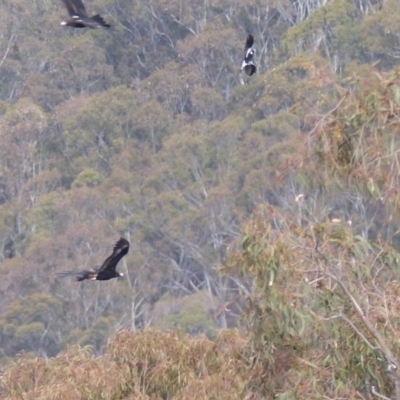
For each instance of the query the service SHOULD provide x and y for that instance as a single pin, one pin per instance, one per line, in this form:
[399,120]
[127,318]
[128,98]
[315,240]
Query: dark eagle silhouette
[247,64]
[79,17]
[107,270]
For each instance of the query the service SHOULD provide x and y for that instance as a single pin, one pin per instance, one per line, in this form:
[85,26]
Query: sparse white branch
[383,346]
[381,396]
[7,50]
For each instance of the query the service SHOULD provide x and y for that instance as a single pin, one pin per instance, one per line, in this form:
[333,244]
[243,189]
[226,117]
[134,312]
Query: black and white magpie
[247,64]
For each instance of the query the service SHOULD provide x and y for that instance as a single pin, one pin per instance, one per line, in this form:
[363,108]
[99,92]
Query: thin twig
[359,333]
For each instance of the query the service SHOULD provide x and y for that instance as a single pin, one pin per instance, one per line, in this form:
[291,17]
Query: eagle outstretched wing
[75,8]
[121,248]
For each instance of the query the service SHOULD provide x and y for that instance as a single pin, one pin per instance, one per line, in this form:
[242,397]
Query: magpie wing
[121,248]
[249,43]
[75,8]
[250,69]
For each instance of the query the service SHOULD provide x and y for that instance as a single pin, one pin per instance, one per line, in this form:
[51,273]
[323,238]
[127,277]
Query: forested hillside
[270,206]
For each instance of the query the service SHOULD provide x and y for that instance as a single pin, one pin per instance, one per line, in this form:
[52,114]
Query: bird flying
[247,64]
[79,17]
[107,270]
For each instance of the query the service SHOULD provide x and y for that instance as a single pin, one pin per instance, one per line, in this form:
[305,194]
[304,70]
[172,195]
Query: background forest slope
[145,132]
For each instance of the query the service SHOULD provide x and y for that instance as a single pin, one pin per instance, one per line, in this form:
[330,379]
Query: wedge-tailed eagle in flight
[107,270]
[78,17]
[248,64]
